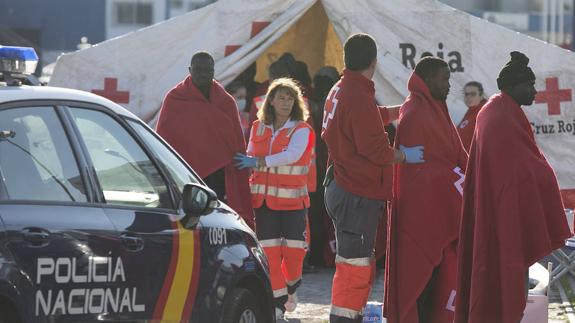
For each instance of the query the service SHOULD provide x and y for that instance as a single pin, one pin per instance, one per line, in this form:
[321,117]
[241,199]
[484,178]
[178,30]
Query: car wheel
[240,307]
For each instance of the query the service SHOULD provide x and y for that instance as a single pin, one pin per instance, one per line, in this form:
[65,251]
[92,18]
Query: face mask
[241,104]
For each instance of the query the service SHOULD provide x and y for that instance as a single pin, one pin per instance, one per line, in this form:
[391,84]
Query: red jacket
[512,215]
[467,124]
[207,134]
[426,206]
[353,130]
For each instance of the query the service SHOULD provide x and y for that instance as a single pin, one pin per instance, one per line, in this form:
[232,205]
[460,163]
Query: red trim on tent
[258,26]
[230,49]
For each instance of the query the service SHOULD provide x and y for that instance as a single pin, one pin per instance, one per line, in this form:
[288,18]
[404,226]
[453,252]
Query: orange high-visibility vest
[282,187]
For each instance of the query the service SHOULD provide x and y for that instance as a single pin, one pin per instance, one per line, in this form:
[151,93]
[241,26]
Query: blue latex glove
[413,155]
[243,161]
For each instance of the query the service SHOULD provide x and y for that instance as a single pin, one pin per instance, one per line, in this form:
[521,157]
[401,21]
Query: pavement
[315,295]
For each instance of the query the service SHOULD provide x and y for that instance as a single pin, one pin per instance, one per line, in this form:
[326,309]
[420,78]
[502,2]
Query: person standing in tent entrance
[474,98]
[512,209]
[200,105]
[358,180]
[238,91]
[423,224]
[279,152]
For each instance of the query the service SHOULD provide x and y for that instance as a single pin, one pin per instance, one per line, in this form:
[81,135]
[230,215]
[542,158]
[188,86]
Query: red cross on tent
[553,96]
[257,26]
[111,92]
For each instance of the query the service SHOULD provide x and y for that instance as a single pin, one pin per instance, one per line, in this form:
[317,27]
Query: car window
[180,174]
[36,160]
[126,175]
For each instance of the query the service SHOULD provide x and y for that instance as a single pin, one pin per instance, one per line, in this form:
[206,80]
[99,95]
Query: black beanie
[515,71]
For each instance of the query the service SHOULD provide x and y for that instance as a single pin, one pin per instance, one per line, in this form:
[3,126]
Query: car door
[61,241]
[160,256]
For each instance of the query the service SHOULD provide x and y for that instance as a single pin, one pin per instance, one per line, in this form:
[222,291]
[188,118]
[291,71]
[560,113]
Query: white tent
[137,69]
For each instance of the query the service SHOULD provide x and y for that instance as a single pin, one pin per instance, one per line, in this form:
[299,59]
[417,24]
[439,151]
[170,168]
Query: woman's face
[472,97]
[282,102]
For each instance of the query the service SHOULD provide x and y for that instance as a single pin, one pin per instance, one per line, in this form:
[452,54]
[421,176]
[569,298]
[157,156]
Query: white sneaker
[291,303]
[279,314]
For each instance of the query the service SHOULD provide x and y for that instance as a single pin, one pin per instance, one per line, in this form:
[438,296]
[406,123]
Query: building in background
[51,27]
[56,26]
[549,20]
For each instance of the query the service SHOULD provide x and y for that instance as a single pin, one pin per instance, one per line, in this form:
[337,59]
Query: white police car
[101,221]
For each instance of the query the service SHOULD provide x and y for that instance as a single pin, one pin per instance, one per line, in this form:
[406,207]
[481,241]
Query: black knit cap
[515,71]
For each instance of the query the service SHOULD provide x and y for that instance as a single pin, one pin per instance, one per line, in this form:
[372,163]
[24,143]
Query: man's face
[438,84]
[202,71]
[524,93]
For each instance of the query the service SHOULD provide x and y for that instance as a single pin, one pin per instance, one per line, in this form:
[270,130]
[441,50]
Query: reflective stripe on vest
[284,193]
[261,129]
[285,170]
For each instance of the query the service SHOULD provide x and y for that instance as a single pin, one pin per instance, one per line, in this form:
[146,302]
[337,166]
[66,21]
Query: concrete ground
[315,295]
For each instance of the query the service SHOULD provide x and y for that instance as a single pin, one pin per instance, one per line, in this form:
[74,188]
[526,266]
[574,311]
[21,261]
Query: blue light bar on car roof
[18,60]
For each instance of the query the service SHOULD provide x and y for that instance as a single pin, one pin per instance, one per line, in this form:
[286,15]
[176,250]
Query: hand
[243,161]
[413,155]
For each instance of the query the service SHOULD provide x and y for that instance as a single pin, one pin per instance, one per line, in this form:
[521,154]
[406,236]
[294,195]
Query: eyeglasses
[470,94]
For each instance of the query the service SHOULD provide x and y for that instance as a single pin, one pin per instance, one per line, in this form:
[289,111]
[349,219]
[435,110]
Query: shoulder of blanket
[496,119]
[177,92]
[413,107]
[224,98]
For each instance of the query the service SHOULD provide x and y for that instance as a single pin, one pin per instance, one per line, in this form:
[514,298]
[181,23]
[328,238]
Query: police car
[100,220]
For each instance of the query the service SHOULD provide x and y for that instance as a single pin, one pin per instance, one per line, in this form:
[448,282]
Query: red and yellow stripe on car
[181,282]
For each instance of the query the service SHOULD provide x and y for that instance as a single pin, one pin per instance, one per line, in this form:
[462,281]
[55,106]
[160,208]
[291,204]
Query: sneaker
[291,303]
[279,315]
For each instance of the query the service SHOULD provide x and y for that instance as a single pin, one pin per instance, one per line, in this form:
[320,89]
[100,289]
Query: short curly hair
[299,111]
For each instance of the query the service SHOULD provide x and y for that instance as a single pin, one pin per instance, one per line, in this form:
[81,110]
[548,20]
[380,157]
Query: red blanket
[512,215]
[207,134]
[426,207]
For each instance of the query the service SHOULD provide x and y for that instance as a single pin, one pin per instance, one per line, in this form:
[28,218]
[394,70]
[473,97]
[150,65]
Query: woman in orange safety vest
[280,154]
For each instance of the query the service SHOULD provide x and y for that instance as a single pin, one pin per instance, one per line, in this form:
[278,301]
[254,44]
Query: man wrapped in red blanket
[512,209]
[423,225]
[200,120]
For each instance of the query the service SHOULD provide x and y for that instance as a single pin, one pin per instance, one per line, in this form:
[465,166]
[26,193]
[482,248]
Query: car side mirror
[197,200]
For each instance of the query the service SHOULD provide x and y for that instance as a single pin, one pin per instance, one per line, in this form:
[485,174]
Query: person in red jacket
[423,224]
[512,209]
[474,98]
[280,153]
[200,105]
[361,159]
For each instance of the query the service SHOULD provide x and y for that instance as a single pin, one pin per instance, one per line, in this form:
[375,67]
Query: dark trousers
[217,182]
